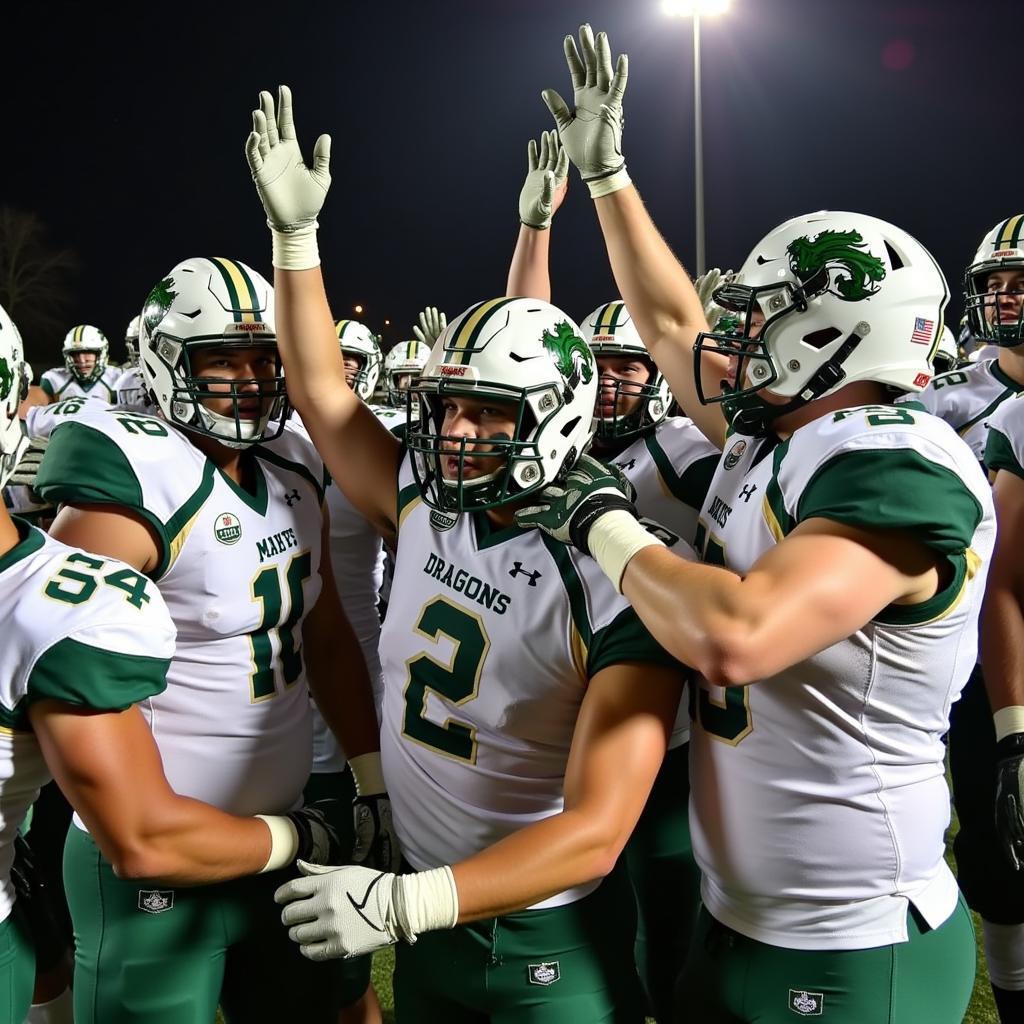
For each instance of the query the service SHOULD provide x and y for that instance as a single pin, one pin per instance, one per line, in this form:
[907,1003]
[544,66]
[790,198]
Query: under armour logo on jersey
[626,466]
[748,492]
[807,1004]
[518,568]
[292,498]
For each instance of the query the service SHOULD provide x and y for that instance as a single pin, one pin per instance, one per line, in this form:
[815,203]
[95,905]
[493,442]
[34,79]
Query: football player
[669,463]
[525,712]
[968,399]
[222,507]
[402,367]
[1002,632]
[129,388]
[846,543]
[87,644]
[85,373]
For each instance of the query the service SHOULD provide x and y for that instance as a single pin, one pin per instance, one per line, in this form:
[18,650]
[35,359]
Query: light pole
[696,9]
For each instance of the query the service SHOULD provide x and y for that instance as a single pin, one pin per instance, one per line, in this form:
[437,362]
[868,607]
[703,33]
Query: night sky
[126,136]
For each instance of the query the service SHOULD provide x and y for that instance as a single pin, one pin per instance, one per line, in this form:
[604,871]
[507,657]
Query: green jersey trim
[408,496]
[47,387]
[937,606]
[179,526]
[779,521]
[1012,388]
[999,454]
[295,467]
[111,479]
[488,535]
[257,501]
[692,485]
[1000,375]
[30,540]
[87,676]
[894,489]
[582,639]
[625,639]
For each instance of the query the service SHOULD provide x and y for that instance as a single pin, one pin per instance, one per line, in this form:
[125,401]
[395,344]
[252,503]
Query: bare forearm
[528,273]
[340,684]
[534,863]
[1002,646]
[187,843]
[651,279]
[306,340]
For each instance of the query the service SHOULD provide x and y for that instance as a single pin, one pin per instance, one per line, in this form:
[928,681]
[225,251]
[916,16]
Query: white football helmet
[844,297]
[358,340]
[946,354]
[406,359]
[1002,248]
[86,338]
[13,389]
[610,331]
[199,304]
[131,341]
[510,349]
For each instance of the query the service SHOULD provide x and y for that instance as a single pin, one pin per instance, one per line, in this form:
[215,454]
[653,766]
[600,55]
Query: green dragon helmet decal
[853,272]
[571,354]
[6,379]
[158,302]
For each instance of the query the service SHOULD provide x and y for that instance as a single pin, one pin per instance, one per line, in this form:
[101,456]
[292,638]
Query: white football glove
[706,285]
[352,910]
[27,469]
[546,180]
[292,193]
[592,132]
[431,326]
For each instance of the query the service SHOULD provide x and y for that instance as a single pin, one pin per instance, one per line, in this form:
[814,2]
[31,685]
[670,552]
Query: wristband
[295,250]
[1008,720]
[611,183]
[426,901]
[614,539]
[284,842]
[367,772]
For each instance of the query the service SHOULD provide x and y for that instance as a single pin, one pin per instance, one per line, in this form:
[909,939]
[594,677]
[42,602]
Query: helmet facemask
[527,355]
[995,325]
[652,402]
[212,304]
[826,300]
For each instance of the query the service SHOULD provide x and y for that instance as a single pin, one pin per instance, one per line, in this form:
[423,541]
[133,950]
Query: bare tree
[36,279]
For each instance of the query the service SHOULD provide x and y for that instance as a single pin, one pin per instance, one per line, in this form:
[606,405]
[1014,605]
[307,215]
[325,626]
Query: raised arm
[541,195]
[653,284]
[359,451]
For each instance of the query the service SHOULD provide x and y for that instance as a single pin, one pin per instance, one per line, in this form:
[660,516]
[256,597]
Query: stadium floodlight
[696,9]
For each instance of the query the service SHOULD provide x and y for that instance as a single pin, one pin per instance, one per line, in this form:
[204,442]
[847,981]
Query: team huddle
[604,668]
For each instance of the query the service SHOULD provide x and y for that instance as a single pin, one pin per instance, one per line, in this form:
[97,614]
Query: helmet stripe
[464,343]
[241,292]
[609,318]
[1009,236]
[410,349]
[78,332]
[340,327]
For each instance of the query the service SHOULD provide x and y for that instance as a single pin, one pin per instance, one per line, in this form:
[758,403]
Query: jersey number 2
[457,682]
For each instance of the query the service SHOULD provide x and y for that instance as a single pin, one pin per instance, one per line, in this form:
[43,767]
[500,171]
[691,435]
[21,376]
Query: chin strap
[756,421]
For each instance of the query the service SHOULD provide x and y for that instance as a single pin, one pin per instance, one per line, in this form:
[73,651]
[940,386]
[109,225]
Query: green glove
[292,193]
[592,133]
[567,513]
[431,326]
[545,183]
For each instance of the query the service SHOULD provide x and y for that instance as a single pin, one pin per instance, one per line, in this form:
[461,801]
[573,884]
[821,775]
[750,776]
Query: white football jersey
[1005,446]
[357,557]
[238,570]
[966,399]
[490,639]
[85,630]
[819,801]
[671,469]
[60,383]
